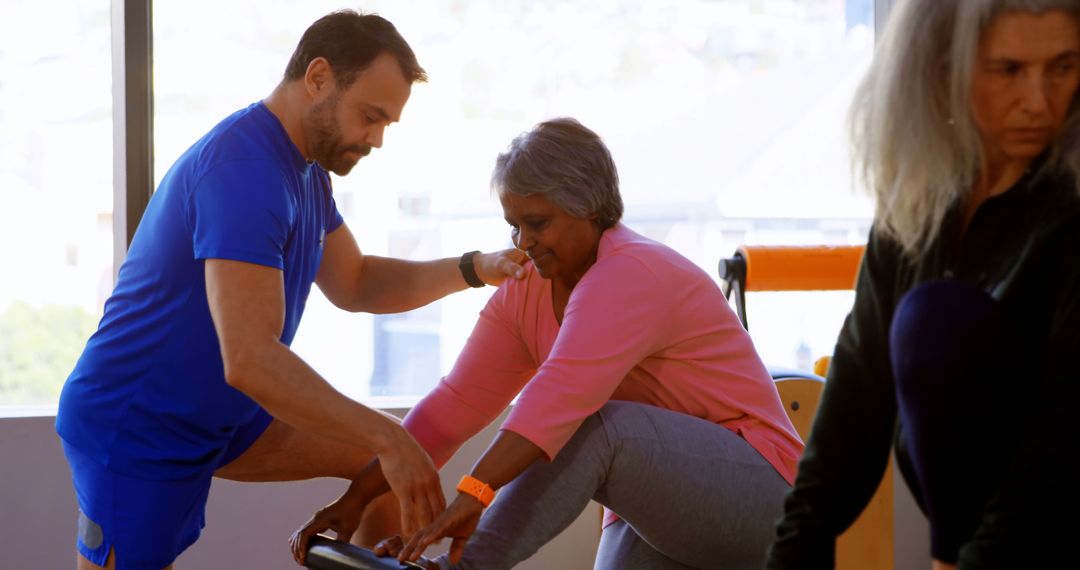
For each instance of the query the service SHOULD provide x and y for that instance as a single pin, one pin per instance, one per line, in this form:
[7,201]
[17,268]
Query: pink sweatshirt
[644,324]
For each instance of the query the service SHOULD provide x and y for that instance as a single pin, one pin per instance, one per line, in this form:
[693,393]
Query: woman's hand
[494,268]
[391,547]
[457,522]
[342,516]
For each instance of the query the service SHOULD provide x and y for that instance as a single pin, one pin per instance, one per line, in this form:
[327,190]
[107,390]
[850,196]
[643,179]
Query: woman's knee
[617,413]
[944,334]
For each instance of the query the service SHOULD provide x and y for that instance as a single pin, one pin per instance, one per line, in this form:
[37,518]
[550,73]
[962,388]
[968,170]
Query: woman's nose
[1033,95]
[524,240]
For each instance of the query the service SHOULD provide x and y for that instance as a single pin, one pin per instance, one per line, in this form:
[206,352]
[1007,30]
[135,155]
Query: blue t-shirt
[148,396]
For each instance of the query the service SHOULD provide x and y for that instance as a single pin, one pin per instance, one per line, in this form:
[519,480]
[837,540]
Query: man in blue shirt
[190,374]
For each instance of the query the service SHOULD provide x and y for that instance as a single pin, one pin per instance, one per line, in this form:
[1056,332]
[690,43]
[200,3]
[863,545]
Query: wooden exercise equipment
[868,543]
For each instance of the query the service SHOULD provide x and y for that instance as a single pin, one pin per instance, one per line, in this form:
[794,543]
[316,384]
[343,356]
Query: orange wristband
[476,488]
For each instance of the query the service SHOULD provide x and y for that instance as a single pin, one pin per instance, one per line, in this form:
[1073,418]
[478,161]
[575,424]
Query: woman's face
[560,246]
[1026,72]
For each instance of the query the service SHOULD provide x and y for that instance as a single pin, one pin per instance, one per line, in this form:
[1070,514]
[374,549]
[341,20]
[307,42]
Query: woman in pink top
[637,387]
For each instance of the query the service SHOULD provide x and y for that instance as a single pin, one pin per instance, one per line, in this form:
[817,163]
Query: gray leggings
[691,494]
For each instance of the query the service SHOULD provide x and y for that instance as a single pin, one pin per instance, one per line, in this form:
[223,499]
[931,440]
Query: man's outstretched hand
[493,268]
[408,470]
[342,516]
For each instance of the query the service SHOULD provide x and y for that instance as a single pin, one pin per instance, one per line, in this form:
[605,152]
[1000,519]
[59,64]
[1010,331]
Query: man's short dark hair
[350,42]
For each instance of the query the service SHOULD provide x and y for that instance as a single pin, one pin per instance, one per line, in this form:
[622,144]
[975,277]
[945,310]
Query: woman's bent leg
[953,354]
[621,548]
[693,490]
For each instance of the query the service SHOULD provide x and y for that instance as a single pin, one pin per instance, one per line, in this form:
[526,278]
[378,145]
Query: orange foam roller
[801,268]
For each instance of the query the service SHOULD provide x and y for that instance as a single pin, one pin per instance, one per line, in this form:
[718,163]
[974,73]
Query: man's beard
[324,139]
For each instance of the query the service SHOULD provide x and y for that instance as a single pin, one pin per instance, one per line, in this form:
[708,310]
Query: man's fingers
[436,503]
[293,540]
[341,533]
[424,511]
[409,525]
[494,268]
[298,541]
[457,549]
[440,501]
[512,261]
[512,268]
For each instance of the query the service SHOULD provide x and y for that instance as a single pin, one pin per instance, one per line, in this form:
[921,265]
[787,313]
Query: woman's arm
[509,456]
[606,331]
[1031,520]
[619,314]
[490,370]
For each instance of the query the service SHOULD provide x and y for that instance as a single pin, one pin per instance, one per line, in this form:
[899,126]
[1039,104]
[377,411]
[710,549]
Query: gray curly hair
[568,164]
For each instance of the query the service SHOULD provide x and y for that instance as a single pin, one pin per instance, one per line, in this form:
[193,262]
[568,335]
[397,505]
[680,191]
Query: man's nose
[375,136]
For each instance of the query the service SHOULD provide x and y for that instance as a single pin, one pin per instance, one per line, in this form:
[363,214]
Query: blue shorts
[148,523]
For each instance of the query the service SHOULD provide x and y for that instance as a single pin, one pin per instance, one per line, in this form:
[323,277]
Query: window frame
[133,119]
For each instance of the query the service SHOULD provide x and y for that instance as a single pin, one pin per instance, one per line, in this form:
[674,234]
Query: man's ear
[318,77]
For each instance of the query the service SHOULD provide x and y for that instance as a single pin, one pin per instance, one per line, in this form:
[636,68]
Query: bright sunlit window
[56,190]
[726,120]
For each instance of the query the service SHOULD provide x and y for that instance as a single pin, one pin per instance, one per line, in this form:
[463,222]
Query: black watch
[468,270]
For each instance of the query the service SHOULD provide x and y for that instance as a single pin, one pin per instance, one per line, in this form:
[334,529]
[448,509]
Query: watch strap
[468,270]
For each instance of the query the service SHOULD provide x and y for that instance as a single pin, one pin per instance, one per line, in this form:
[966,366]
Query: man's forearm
[369,485]
[388,285]
[291,391]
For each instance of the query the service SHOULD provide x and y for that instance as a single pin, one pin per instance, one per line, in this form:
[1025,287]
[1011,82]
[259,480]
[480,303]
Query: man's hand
[342,516]
[457,522]
[412,476]
[494,268]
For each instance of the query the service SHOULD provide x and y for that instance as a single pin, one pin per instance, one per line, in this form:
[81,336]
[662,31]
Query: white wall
[247,524]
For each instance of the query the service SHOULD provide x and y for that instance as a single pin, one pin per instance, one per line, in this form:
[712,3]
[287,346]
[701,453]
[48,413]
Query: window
[56,190]
[725,119]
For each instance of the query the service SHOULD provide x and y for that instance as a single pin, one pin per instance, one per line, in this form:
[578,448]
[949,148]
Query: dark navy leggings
[953,354]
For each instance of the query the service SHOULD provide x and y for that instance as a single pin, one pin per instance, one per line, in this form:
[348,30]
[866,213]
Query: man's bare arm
[357,282]
[247,303]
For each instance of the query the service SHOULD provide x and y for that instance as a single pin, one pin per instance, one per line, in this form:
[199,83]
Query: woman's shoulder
[622,242]
[639,262]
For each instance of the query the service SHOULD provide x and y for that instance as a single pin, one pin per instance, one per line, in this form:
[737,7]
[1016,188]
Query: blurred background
[725,118]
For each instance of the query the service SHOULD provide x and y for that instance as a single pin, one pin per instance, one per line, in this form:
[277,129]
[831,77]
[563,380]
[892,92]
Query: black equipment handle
[325,553]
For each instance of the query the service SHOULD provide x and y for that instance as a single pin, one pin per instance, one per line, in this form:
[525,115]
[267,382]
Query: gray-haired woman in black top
[963,344]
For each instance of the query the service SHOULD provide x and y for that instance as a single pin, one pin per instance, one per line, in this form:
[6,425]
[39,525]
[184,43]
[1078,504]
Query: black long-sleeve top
[1023,247]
